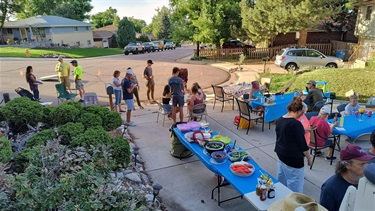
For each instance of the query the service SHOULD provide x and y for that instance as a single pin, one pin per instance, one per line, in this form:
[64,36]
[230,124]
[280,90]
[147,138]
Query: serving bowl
[219,156]
[238,155]
[214,146]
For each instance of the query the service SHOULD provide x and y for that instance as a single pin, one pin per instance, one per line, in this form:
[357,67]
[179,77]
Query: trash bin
[341,54]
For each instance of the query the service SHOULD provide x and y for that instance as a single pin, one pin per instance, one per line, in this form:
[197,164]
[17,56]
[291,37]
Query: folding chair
[221,96]
[245,112]
[198,110]
[163,112]
[62,94]
[314,144]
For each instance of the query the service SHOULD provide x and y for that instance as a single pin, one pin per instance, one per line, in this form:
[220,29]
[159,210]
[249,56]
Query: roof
[365,2]
[111,28]
[101,34]
[42,21]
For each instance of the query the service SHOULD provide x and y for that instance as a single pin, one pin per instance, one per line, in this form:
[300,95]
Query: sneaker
[122,111]
[318,153]
[330,158]
[81,101]
[130,124]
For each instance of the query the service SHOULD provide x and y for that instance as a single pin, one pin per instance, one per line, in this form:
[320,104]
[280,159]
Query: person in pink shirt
[306,123]
[324,130]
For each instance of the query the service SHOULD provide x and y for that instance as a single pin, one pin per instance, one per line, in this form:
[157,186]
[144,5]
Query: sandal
[141,107]
[122,110]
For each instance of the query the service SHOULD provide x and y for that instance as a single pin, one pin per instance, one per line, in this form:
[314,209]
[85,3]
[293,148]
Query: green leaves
[125,33]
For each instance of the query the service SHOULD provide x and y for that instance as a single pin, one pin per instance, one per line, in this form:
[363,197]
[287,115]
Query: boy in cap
[127,90]
[313,96]
[150,83]
[78,80]
[63,70]
[353,161]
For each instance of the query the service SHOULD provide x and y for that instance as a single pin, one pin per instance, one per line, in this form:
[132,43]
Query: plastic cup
[369,113]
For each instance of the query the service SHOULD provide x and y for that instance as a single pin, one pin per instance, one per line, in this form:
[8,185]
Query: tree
[165,31]
[157,21]
[8,7]
[271,17]
[106,18]
[143,38]
[125,33]
[345,20]
[138,24]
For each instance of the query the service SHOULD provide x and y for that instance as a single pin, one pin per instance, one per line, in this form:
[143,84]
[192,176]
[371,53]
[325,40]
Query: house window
[75,29]
[9,31]
[89,42]
[368,13]
[87,28]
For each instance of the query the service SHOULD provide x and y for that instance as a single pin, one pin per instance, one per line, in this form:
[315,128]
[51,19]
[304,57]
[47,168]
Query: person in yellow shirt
[78,80]
[63,69]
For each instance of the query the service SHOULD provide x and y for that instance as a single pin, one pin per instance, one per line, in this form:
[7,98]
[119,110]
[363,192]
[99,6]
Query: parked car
[160,45]
[294,58]
[236,44]
[169,46]
[134,48]
[149,47]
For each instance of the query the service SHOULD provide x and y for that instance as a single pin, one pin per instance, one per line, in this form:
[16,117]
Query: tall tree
[269,18]
[7,8]
[165,31]
[343,21]
[106,18]
[139,24]
[125,33]
[157,21]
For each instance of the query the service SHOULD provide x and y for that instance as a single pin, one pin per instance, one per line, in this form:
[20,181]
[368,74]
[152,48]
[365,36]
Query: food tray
[242,163]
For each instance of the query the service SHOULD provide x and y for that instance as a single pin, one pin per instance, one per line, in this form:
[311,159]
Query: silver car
[294,58]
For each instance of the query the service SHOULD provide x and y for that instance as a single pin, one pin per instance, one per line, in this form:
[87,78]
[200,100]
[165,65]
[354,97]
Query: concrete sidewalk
[187,183]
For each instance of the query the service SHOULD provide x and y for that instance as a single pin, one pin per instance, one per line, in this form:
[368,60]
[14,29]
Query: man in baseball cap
[314,95]
[63,70]
[127,91]
[353,160]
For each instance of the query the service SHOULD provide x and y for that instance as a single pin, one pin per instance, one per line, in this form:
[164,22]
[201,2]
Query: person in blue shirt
[177,88]
[127,91]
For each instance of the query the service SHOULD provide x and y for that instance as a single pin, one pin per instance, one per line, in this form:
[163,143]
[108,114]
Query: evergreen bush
[120,151]
[90,120]
[69,131]
[112,121]
[64,113]
[21,111]
[92,136]
[41,138]
[5,150]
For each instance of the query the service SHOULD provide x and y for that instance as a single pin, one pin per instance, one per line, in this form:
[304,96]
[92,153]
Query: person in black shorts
[177,87]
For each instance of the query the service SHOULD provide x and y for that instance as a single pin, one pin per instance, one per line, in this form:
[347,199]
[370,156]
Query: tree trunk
[302,38]
[197,52]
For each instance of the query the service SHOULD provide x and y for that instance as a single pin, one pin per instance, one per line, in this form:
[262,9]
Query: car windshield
[281,52]
[131,44]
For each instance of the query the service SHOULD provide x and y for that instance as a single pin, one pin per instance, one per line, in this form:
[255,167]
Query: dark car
[149,47]
[169,46]
[236,44]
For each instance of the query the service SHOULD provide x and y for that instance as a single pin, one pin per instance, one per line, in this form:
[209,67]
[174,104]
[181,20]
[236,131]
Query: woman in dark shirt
[291,147]
[33,83]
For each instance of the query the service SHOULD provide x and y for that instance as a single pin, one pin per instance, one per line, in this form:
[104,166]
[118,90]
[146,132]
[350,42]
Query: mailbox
[109,89]
[266,59]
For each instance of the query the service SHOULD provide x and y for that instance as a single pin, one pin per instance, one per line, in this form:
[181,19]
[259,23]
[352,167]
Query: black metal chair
[318,105]
[314,144]
[362,140]
[246,112]
[198,110]
[341,107]
[221,96]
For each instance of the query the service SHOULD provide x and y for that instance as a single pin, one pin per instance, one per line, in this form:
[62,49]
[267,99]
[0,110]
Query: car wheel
[136,51]
[148,51]
[291,67]
[331,65]
[126,53]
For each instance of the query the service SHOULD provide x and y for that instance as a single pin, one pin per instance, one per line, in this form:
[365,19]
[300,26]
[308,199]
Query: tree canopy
[106,18]
[139,24]
[8,7]
[125,33]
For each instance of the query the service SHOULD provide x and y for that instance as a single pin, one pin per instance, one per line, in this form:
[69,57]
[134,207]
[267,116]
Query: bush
[90,120]
[112,121]
[77,105]
[121,150]
[41,138]
[21,111]
[23,157]
[92,136]
[64,113]
[69,131]
[5,150]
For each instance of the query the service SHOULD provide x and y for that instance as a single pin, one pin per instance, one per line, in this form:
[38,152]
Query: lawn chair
[62,94]
[163,112]
[221,96]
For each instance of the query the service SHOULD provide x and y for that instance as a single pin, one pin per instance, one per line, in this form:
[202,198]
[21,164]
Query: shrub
[121,150]
[90,120]
[22,110]
[5,150]
[97,110]
[77,105]
[64,113]
[70,130]
[92,136]
[112,121]
[23,157]
[41,138]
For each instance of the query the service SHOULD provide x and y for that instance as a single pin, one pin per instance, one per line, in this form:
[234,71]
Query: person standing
[78,80]
[177,87]
[150,83]
[116,84]
[350,168]
[313,96]
[127,90]
[291,147]
[136,90]
[33,83]
[63,70]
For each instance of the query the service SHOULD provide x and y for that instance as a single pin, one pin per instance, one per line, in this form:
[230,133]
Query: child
[116,84]
[195,98]
[353,106]
[199,90]
[167,98]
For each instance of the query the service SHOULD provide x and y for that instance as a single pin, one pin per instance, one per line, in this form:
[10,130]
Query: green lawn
[73,52]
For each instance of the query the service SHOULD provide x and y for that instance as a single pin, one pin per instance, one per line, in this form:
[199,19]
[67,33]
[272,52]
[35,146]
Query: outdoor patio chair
[318,105]
[314,147]
[362,140]
[6,98]
[267,85]
[221,96]
[246,112]
[163,112]
[311,114]
[341,107]
[62,94]
[198,110]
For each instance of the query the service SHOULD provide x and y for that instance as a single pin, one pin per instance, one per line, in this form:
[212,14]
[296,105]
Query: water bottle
[341,122]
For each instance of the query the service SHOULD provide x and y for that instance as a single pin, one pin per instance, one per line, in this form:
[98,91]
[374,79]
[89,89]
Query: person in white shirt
[353,106]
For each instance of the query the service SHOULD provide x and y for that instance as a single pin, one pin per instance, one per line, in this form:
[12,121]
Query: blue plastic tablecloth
[353,127]
[273,112]
[242,184]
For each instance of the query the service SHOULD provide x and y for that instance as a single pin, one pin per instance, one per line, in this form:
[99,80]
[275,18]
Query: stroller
[25,93]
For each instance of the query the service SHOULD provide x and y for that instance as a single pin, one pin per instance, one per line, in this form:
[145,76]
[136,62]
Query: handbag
[244,123]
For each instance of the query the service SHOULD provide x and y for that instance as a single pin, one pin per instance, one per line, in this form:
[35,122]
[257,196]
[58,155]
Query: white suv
[294,58]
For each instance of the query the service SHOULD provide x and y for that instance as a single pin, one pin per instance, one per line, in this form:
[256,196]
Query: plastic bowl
[214,146]
[238,156]
[219,156]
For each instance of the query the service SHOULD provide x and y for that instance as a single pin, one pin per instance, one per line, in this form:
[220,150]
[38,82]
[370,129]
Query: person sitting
[166,99]
[313,96]
[195,98]
[306,123]
[371,151]
[353,161]
[352,106]
[324,130]
[200,90]
[255,92]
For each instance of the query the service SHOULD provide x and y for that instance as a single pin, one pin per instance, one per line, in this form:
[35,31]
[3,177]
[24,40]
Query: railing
[257,53]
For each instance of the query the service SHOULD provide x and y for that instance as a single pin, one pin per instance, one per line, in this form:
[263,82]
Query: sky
[139,9]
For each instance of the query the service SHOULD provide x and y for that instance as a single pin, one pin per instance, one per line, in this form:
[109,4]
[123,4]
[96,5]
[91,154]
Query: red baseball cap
[353,151]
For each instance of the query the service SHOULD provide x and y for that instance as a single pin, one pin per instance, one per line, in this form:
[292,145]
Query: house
[49,30]
[102,39]
[365,29]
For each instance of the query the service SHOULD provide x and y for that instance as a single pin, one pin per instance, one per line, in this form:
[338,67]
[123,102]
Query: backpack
[184,74]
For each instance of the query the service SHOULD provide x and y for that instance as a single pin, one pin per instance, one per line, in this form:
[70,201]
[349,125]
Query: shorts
[178,101]
[130,104]
[65,80]
[79,85]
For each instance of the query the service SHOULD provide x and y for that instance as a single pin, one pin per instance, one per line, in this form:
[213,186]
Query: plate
[269,104]
[188,136]
[214,162]
[242,163]
[224,139]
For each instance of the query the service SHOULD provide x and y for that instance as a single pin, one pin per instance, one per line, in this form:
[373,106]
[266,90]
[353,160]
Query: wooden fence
[257,53]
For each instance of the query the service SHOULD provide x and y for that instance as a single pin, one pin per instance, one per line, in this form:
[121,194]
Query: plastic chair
[311,114]
[62,94]
[163,112]
[245,112]
[314,144]
[341,107]
[221,96]
[362,140]
[318,105]
[198,110]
